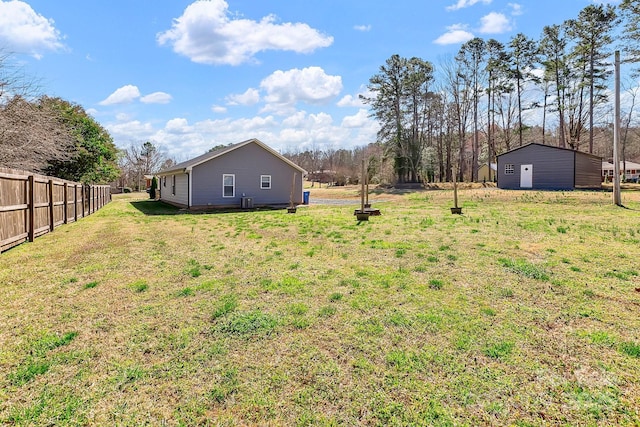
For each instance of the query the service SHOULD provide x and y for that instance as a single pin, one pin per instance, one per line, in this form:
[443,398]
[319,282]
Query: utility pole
[616,134]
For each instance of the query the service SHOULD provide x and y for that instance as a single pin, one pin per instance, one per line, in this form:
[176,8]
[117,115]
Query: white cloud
[156,98]
[295,120]
[24,30]
[124,95]
[461,4]
[455,34]
[311,85]
[350,101]
[219,109]
[360,119]
[363,28]
[495,23]
[206,33]
[249,97]
[182,140]
[516,9]
[177,126]
[130,131]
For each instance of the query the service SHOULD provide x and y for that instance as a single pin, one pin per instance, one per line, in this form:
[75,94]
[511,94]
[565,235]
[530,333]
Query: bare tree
[139,160]
[14,81]
[32,135]
[632,94]
[459,89]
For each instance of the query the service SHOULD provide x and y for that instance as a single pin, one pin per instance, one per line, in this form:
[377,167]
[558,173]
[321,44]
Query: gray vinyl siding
[588,171]
[248,163]
[181,196]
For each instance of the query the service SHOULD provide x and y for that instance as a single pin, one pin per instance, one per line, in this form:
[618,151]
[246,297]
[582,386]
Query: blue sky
[189,75]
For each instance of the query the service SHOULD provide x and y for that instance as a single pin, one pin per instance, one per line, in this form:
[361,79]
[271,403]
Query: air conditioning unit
[246,202]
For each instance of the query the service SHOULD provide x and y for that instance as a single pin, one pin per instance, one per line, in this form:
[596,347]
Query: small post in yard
[367,205]
[455,209]
[292,207]
[361,214]
[617,200]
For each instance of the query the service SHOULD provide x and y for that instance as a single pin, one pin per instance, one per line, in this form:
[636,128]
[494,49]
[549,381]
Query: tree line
[453,119]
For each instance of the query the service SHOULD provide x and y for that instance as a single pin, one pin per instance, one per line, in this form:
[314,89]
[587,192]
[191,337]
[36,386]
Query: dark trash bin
[305,197]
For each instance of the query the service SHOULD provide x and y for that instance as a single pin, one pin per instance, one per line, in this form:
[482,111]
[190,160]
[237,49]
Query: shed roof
[187,165]
[548,146]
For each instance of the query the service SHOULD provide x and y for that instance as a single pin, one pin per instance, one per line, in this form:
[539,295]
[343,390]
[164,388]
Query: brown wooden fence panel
[14,207]
[41,207]
[32,205]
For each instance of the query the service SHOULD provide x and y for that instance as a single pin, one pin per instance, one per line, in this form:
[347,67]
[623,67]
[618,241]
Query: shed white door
[526,176]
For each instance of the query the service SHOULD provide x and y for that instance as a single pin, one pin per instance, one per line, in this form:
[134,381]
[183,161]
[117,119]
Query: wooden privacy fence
[32,205]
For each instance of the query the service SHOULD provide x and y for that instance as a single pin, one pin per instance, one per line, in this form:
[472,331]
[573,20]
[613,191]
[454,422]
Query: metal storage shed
[544,167]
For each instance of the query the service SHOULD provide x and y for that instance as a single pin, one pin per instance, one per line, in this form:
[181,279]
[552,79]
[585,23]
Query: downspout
[575,161]
[189,186]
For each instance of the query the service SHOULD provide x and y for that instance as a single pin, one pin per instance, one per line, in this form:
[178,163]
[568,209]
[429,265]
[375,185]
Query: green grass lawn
[523,311]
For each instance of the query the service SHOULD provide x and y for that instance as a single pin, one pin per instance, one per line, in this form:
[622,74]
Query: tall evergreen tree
[554,58]
[470,58]
[401,91]
[417,83]
[523,55]
[387,107]
[630,12]
[496,85]
[591,34]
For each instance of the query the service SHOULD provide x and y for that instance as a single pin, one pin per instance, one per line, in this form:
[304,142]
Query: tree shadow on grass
[156,207]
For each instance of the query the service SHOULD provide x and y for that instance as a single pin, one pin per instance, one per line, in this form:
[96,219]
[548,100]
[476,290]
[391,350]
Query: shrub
[154,186]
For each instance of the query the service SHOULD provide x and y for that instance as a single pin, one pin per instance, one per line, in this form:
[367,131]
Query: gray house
[544,167]
[242,175]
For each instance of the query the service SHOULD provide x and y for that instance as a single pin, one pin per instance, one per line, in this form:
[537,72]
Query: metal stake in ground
[362,215]
[455,209]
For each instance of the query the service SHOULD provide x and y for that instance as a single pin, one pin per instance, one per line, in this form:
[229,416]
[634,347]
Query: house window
[173,185]
[509,169]
[164,181]
[228,185]
[265,182]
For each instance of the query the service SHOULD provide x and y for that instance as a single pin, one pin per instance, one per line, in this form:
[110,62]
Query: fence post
[75,202]
[51,206]
[32,208]
[66,203]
